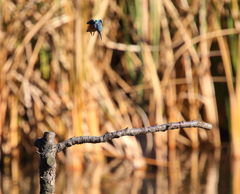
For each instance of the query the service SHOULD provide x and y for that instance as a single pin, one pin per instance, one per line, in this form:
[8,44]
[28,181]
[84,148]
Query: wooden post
[47,169]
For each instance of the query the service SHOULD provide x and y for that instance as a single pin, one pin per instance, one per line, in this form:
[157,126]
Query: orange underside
[91,29]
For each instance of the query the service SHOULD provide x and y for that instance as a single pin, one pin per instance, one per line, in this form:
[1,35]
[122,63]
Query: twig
[131,132]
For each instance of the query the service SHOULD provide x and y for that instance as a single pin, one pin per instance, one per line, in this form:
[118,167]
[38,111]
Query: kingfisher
[95,25]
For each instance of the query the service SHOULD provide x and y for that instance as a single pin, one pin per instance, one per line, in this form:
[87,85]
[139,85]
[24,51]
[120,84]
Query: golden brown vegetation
[158,62]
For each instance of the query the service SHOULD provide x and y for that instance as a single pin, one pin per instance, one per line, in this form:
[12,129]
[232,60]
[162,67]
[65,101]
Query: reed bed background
[193,172]
[159,61]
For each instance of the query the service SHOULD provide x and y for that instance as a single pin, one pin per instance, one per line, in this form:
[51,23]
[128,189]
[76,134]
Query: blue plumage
[95,25]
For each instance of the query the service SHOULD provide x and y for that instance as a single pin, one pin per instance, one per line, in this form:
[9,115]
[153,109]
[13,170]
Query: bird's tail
[100,33]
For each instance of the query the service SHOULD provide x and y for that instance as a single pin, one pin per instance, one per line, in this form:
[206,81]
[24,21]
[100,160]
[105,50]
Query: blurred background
[159,61]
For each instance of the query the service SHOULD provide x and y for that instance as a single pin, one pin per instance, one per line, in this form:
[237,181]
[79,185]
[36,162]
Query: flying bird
[95,25]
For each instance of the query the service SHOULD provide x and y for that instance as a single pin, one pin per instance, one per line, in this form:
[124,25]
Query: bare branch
[131,132]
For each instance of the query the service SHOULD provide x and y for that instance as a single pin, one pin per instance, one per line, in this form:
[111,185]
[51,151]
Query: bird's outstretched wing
[98,26]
